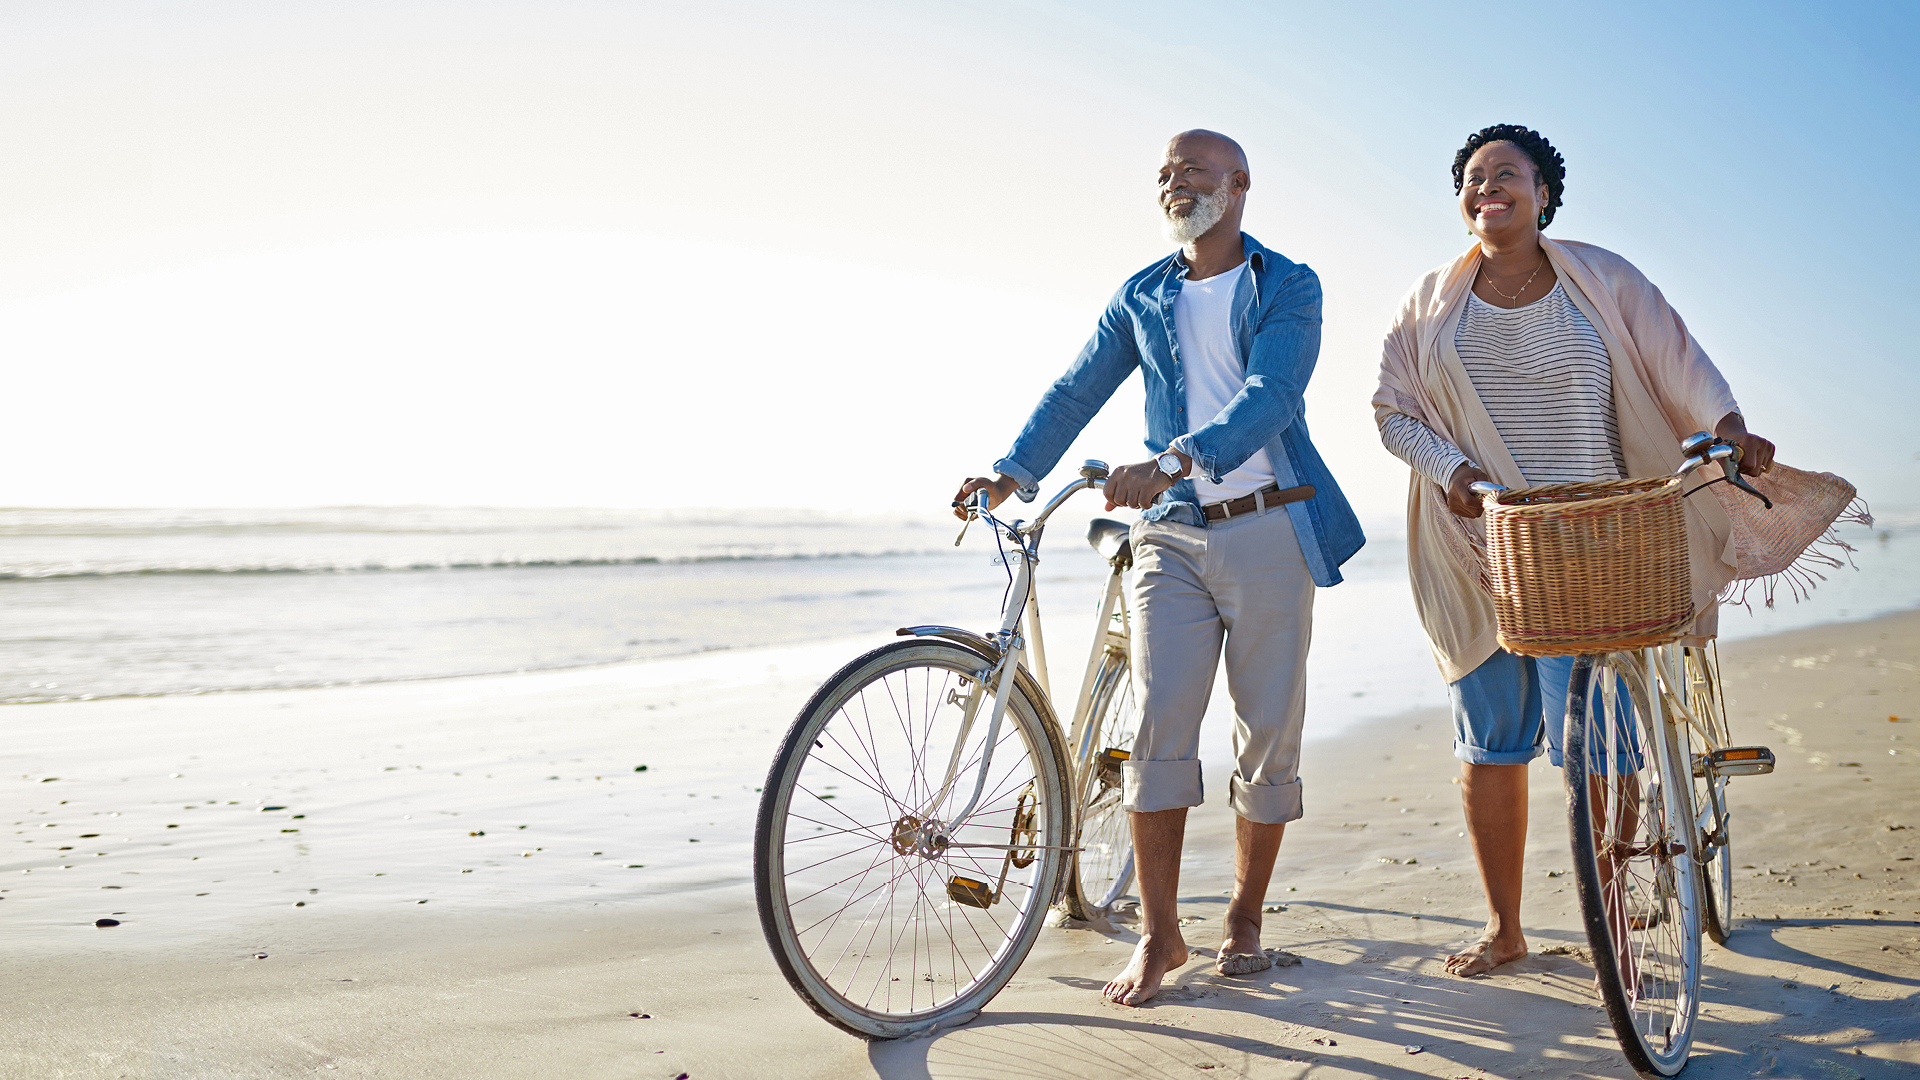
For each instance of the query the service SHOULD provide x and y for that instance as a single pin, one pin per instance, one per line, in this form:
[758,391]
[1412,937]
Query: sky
[828,254]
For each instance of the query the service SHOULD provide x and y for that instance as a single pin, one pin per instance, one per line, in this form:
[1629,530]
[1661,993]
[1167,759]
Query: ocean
[116,603]
[664,653]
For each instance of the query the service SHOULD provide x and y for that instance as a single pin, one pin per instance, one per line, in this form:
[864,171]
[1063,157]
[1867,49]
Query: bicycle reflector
[970,892]
[1742,761]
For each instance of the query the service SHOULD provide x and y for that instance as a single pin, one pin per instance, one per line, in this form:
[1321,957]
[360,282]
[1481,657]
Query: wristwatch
[1169,463]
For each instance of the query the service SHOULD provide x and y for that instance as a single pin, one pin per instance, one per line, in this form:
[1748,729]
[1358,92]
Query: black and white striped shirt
[1542,373]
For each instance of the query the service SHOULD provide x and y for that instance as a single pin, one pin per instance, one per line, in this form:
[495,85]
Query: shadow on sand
[1357,1015]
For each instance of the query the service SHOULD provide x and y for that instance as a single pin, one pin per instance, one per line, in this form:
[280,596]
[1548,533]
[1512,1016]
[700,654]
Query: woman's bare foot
[1153,957]
[1486,954]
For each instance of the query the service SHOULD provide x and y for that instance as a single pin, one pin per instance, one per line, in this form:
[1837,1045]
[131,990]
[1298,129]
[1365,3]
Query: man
[1242,521]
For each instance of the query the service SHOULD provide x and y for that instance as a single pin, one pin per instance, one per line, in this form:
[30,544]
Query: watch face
[1169,464]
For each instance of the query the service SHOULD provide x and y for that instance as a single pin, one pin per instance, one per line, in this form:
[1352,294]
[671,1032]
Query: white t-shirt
[1203,319]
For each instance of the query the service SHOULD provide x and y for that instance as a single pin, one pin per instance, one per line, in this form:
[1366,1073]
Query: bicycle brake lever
[1732,465]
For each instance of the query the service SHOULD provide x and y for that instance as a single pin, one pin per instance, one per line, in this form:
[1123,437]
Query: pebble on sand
[106,922]
[639,768]
[1412,1049]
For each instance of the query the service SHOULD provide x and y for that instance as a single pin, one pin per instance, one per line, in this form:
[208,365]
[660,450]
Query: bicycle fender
[977,642]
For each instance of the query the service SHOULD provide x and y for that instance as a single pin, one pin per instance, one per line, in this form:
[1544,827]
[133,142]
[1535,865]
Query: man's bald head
[1212,144]
[1203,186]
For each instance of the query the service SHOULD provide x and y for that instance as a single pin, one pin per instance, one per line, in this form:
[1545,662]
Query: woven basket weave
[1589,567]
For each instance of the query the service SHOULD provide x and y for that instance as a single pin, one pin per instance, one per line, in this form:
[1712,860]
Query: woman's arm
[1434,458]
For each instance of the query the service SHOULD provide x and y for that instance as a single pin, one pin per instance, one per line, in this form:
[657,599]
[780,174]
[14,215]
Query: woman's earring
[1543,219]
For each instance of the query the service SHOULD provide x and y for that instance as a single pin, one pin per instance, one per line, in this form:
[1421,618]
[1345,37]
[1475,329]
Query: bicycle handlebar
[1701,448]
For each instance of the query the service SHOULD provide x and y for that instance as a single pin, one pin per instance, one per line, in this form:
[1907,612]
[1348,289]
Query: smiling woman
[1530,361]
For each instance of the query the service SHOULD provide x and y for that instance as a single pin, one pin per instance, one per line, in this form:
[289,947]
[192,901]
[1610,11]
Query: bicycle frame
[1007,649]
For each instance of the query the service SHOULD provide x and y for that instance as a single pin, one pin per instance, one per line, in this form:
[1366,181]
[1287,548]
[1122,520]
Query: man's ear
[1241,181]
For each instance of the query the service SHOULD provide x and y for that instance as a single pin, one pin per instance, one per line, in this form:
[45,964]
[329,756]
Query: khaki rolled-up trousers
[1240,586]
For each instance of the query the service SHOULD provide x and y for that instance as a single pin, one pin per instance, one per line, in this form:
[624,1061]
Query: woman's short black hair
[1548,165]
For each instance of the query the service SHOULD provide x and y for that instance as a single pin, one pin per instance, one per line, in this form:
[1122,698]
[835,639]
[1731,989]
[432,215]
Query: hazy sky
[568,252]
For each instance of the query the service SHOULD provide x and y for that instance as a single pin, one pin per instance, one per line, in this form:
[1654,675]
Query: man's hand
[1756,453]
[1137,486]
[1460,499]
[1000,486]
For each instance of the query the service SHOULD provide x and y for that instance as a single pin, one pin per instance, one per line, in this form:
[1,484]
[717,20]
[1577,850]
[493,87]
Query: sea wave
[56,573]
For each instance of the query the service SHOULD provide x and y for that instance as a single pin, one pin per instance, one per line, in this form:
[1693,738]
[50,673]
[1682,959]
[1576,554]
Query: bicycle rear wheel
[1102,870]
[1712,820]
[878,911]
[1630,815]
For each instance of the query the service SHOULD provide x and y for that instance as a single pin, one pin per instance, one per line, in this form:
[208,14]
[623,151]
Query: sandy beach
[493,890]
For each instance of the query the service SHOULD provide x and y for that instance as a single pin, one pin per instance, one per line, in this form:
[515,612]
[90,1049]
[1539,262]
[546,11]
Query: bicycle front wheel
[1630,815]
[1102,870]
[886,917]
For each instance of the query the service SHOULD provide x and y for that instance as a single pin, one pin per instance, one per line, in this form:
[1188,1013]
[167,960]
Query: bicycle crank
[1022,848]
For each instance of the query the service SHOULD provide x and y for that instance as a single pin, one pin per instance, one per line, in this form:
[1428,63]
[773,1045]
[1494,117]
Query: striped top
[1542,372]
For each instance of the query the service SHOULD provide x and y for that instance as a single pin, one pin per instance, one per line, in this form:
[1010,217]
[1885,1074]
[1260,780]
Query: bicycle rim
[1710,796]
[1103,867]
[881,939]
[1632,829]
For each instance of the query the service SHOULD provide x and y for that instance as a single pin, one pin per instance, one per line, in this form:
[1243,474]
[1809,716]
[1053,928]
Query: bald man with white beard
[1242,522]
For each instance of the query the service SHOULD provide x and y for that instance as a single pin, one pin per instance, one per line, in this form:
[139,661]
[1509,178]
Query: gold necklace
[1523,288]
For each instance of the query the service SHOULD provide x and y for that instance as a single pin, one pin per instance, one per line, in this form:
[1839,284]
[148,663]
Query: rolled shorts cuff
[1267,804]
[1474,755]
[1160,785]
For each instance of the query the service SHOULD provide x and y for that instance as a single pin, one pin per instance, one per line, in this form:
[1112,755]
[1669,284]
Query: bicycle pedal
[1107,763]
[970,892]
[1742,761]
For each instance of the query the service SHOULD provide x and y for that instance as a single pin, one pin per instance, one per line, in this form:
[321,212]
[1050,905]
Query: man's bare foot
[1486,954]
[1243,935]
[1240,952]
[1153,957]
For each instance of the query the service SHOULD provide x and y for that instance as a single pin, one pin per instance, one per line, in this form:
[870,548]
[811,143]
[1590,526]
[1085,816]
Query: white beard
[1207,212]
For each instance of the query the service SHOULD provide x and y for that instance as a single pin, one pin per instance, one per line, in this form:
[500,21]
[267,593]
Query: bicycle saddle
[1109,538]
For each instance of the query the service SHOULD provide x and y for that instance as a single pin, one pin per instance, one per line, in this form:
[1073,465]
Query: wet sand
[534,964]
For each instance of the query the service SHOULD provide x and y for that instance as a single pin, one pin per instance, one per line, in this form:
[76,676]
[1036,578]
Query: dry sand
[1818,981]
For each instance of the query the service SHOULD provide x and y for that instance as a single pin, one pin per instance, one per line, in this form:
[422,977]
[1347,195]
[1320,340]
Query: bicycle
[1646,774]
[927,784]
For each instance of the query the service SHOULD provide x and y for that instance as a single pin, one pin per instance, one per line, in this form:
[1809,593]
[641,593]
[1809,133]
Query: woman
[1531,361]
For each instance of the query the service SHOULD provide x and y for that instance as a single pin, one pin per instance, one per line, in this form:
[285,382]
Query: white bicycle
[927,805]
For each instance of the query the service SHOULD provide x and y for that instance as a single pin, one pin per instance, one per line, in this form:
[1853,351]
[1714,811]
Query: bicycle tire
[1713,821]
[867,913]
[1102,870]
[1630,796]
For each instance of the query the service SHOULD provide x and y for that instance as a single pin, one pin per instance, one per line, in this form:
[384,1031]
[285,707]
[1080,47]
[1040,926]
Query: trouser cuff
[1160,785]
[1267,804]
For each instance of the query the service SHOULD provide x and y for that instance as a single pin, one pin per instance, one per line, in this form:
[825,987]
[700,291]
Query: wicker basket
[1589,567]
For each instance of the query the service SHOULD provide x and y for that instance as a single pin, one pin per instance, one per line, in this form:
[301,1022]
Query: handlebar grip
[1486,488]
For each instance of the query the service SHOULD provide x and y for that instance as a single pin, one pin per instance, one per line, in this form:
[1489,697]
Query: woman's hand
[1460,499]
[1756,453]
[1000,486]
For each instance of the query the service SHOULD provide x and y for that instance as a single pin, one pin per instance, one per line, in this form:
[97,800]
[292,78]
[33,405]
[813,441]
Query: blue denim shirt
[1276,319]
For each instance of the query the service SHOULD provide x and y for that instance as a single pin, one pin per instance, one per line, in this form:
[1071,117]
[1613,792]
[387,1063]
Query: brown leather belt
[1272,495]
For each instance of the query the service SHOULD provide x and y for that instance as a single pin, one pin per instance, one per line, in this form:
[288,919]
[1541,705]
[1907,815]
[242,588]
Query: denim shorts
[1503,707]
